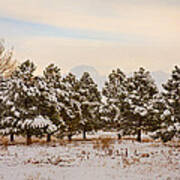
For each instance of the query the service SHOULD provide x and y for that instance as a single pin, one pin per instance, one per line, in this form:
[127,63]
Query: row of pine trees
[50,104]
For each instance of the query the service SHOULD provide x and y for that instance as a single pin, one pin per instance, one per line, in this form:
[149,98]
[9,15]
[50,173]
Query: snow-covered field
[90,160]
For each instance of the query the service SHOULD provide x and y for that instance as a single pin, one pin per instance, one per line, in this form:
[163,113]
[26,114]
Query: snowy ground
[90,160]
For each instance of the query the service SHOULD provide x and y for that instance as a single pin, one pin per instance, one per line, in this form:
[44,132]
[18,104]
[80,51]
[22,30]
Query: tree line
[48,104]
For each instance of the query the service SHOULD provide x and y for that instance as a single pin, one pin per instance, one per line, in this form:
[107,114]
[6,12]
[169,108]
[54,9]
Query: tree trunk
[119,136]
[84,134]
[12,137]
[139,135]
[28,139]
[48,138]
[70,137]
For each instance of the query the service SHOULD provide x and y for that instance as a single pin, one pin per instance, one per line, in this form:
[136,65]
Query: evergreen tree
[46,104]
[90,99]
[72,111]
[21,102]
[3,90]
[9,113]
[25,100]
[115,92]
[170,126]
[156,109]
[58,94]
[141,92]
[110,118]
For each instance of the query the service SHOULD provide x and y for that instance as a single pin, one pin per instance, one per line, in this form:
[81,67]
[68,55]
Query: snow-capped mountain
[79,70]
[160,77]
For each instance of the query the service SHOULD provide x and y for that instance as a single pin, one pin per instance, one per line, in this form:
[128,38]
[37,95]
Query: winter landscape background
[89,90]
[73,129]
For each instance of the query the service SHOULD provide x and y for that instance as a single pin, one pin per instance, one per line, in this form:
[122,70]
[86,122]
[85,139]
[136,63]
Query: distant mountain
[160,77]
[79,70]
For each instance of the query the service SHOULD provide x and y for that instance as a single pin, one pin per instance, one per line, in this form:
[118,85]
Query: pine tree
[46,104]
[156,109]
[90,99]
[23,80]
[7,66]
[170,126]
[3,91]
[110,118]
[158,113]
[72,111]
[115,93]
[141,92]
[9,112]
[58,94]
[22,114]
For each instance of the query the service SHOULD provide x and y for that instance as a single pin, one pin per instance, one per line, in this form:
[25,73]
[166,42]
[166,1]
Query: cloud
[153,19]
[14,27]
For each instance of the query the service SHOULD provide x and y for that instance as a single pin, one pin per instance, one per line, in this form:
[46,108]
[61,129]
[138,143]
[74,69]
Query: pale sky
[105,34]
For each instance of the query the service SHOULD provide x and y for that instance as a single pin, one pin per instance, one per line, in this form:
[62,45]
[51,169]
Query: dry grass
[147,140]
[129,138]
[104,143]
[36,177]
[62,142]
[96,144]
[133,139]
[145,155]
[4,142]
[83,140]
[107,142]
[126,162]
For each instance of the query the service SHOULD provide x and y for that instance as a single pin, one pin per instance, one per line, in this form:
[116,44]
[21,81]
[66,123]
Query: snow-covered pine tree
[72,111]
[141,92]
[3,90]
[110,118]
[158,111]
[58,94]
[9,104]
[46,104]
[170,126]
[7,66]
[1,98]
[156,108]
[90,99]
[22,115]
[26,93]
[115,93]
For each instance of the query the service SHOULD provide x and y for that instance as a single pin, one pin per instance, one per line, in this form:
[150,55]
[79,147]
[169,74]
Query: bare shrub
[7,64]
